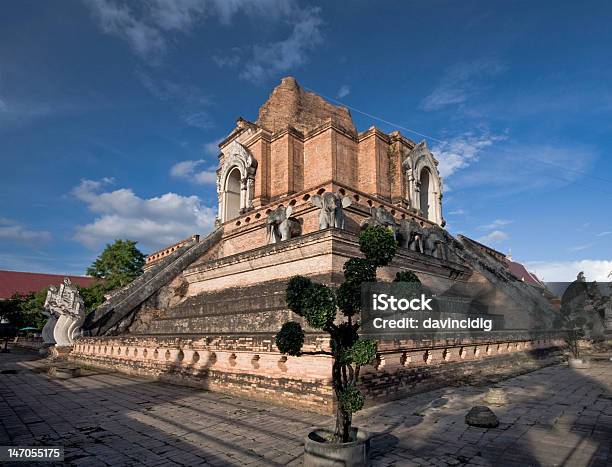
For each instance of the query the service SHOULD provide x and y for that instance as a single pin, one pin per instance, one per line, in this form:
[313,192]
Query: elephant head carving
[380,216]
[411,235]
[281,226]
[331,213]
[436,243]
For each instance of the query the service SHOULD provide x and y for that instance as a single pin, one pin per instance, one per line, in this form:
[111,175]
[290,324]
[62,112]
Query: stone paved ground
[557,416]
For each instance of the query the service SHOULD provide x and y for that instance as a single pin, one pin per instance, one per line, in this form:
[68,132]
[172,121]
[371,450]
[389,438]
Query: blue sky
[110,113]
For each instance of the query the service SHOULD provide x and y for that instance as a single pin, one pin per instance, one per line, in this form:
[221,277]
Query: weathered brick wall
[250,367]
[238,365]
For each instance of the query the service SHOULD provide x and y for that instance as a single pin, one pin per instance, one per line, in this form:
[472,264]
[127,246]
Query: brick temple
[295,188]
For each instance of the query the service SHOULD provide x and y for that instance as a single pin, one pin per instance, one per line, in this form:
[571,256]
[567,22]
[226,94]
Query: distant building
[24,283]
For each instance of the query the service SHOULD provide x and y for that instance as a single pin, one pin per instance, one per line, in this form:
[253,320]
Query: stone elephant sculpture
[411,235]
[380,216]
[436,243]
[332,205]
[281,226]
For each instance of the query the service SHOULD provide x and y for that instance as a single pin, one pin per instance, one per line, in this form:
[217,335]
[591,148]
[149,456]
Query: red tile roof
[12,282]
[519,271]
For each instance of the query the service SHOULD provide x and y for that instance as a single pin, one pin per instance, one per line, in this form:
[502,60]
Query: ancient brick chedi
[294,189]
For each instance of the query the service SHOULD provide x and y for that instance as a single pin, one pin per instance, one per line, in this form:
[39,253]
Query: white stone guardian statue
[65,306]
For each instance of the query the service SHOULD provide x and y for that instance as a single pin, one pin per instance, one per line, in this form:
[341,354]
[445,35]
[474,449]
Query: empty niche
[255,361]
[135,352]
[195,358]
[232,359]
[212,359]
[105,350]
[320,191]
[476,351]
[306,197]
[167,355]
[181,356]
[489,349]
[156,354]
[145,352]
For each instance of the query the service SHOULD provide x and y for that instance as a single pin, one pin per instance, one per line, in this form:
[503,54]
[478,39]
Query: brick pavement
[557,416]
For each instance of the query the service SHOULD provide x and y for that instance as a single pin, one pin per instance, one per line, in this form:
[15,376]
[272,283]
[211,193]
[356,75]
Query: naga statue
[66,311]
[332,205]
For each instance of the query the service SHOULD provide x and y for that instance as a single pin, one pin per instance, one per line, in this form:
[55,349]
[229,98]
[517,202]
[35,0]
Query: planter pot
[320,452]
[579,363]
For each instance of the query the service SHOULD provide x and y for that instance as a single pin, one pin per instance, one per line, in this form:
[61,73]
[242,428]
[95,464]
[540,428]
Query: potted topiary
[318,304]
[573,336]
[575,319]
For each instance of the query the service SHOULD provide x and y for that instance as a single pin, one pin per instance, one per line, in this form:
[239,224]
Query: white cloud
[13,231]
[575,248]
[566,271]
[187,170]
[119,20]
[603,234]
[460,83]
[457,212]
[278,57]
[497,223]
[514,168]
[166,90]
[199,119]
[461,151]
[190,102]
[3,106]
[497,236]
[148,27]
[212,148]
[344,91]
[153,222]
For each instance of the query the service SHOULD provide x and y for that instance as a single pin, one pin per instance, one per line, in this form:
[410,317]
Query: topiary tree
[318,304]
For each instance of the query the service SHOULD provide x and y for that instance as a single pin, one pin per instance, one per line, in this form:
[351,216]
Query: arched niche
[426,200]
[231,194]
[423,183]
[235,181]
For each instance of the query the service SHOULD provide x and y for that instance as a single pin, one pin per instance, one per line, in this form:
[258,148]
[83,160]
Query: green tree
[24,310]
[119,264]
[318,305]
[93,296]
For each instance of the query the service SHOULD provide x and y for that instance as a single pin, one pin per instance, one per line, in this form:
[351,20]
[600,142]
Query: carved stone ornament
[331,213]
[380,216]
[281,226]
[237,156]
[66,311]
